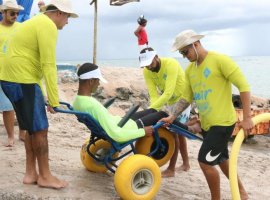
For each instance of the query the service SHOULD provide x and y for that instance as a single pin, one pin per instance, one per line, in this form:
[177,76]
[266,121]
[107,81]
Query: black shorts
[214,149]
[29,105]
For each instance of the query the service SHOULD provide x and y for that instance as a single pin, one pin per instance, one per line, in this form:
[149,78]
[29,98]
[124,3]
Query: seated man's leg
[142,113]
[150,118]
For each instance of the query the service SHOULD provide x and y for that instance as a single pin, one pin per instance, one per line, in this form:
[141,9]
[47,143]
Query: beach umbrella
[112,3]
[24,14]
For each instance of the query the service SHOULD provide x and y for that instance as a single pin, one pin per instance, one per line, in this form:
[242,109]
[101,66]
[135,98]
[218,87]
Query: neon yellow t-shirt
[31,55]
[5,33]
[210,85]
[166,86]
[107,121]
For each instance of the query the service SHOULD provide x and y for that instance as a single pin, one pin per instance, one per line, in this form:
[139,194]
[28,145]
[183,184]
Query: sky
[232,27]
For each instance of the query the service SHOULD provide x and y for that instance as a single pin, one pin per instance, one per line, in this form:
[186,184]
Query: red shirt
[142,39]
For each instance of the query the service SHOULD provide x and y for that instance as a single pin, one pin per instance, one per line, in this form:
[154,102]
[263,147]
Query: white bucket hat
[147,58]
[62,5]
[185,38]
[10,5]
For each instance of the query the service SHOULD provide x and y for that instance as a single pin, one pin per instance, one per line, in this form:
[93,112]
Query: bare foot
[192,121]
[168,173]
[30,179]
[195,128]
[51,182]
[183,168]
[10,142]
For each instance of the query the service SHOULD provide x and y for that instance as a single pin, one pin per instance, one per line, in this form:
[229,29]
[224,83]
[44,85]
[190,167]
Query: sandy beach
[66,135]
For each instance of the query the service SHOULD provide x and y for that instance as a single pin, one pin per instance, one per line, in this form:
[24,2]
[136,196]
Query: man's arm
[172,70]
[136,32]
[151,87]
[247,123]
[232,71]
[181,105]
[47,51]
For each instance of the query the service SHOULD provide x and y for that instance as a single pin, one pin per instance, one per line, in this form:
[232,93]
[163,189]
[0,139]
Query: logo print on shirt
[5,48]
[210,158]
[206,72]
[165,76]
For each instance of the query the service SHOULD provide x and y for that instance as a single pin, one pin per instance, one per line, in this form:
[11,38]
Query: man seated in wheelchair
[138,126]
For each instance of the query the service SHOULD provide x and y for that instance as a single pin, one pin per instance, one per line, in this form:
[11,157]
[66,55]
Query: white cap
[62,5]
[185,38]
[147,58]
[10,5]
[93,74]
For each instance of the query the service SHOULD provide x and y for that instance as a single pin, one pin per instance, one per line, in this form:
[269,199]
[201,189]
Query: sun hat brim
[72,14]
[179,44]
[3,7]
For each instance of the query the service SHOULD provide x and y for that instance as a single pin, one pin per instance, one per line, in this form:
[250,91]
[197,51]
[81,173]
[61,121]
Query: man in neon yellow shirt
[10,10]
[165,80]
[209,79]
[30,59]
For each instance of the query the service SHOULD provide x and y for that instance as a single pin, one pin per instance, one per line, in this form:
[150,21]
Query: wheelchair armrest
[109,102]
[131,111]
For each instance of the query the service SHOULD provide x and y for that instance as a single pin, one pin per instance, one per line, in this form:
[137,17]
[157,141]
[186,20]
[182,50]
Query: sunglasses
[186,51]
[13,13]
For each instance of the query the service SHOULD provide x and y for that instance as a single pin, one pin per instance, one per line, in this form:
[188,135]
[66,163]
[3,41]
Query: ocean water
[255,68]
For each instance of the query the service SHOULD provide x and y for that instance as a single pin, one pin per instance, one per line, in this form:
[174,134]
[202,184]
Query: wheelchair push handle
[57,109]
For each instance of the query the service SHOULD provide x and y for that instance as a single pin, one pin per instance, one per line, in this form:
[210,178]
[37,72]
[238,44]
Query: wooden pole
[95,35]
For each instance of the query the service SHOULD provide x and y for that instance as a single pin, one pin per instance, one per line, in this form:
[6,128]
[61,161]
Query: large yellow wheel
[234,154]
[100,149]
[137,177]
[146,145]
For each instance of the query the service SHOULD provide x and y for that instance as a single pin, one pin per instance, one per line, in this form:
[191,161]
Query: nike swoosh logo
[210,158]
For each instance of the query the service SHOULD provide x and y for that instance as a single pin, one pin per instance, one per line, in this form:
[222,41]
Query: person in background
[10,10]
[89,76]
[40,4]
[141,33]
[31,58]
[210,76]
[165,81]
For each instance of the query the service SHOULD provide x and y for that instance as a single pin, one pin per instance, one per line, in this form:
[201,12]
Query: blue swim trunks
[29,105]
[5,104]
